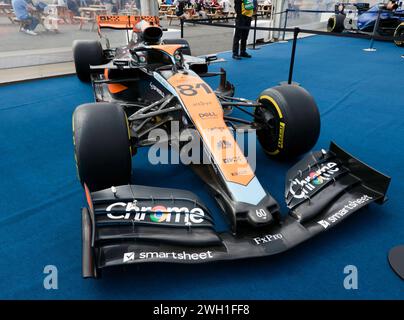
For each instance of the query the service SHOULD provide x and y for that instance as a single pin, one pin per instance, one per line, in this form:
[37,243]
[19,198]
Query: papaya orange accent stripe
[206,113]
[88,198]
[168,48]
[114,87]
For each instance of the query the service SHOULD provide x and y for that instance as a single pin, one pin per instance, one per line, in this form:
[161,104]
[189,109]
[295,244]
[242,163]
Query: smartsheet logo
[323,223]
[128,256]
[337,216]
[161,255]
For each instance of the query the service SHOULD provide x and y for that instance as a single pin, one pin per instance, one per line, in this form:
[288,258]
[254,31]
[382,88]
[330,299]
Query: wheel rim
[399,33]
[331,24]
[270,128]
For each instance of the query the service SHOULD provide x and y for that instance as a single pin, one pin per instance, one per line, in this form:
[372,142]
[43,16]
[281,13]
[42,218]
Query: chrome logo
[160,214]
[316,178]
[300,188]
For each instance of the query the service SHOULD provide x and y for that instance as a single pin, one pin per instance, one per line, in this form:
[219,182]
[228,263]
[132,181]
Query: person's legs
[29,23]
[237,36]
[33,23]
[24,23]
[244,36]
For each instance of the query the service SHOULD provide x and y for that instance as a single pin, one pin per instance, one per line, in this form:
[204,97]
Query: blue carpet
[360,96]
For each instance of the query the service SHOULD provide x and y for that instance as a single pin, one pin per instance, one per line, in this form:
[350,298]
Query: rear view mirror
[210,58]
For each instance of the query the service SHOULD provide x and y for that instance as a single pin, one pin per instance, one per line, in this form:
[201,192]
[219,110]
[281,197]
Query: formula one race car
[150,88]
[358,17]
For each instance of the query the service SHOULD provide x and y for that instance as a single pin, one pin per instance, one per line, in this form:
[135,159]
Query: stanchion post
[372,39]
[255,31]
[286,23]
[292,57]
[182,28]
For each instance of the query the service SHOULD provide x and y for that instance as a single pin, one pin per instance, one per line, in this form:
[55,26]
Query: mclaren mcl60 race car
[149,84]
[388,19]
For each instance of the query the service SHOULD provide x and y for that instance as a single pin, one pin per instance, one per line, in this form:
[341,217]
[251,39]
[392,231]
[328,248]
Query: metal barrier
[298,10]
[210,22]
[182,21]
[373,36]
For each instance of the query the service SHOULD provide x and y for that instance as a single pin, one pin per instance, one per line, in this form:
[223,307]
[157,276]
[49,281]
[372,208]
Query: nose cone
[260,216]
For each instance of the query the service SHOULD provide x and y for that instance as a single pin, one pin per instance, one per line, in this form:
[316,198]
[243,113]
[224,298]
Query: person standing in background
[225,4]
[244,10]
[225,8]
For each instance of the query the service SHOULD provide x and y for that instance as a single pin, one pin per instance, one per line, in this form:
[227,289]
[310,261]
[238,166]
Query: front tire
[86,53]
[399,32]
[102,145]
[289,120]
[336,23]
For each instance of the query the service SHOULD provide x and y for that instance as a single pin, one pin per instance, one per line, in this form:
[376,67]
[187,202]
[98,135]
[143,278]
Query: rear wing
[125,22]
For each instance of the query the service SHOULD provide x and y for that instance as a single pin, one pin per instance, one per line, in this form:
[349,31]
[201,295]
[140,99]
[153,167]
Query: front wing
[137,224]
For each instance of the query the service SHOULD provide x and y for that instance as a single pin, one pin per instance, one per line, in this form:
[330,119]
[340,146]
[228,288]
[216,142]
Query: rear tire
[86,53]
[336,23]
[290,121]
[399,32]
[186,50]
[102,145]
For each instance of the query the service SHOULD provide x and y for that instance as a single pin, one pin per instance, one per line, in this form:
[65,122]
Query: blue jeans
[30,22]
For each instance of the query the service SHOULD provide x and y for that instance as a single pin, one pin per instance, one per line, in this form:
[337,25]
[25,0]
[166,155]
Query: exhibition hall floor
[361,99]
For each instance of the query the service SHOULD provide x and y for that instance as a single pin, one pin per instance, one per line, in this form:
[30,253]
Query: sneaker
[236,57]
[245,55]
[30,32]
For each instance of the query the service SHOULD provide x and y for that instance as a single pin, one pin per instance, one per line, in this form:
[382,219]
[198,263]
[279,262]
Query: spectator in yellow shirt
[244,10]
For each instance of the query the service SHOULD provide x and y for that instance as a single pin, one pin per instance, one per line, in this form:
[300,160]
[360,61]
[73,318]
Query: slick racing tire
[336,23]
[289,120]
[399,35]
[186,50]
[86,53]
[102,145]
